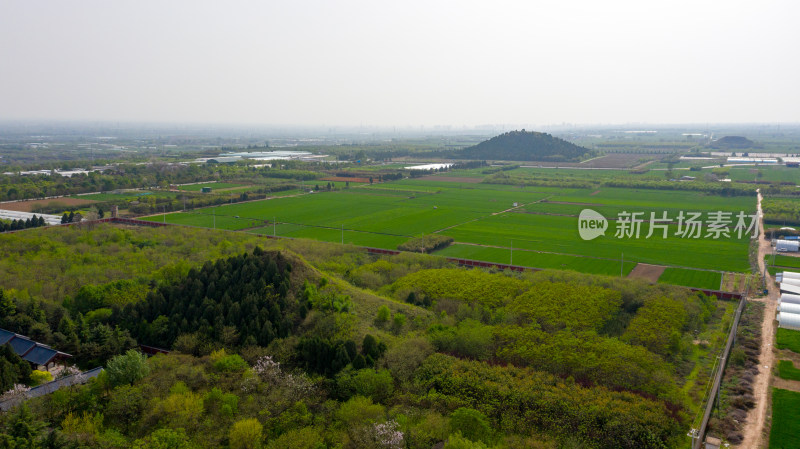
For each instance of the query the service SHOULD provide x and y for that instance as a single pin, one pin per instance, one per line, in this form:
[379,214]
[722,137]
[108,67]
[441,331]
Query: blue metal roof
[5,336]
[40,355]
[21,345]
[28,349]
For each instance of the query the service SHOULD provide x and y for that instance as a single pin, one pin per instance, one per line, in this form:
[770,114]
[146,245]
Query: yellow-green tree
[246,434]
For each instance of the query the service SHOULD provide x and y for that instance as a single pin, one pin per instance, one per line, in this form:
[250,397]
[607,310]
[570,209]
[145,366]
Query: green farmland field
[787,370]
[544,221]
[785,419]
[783,261]
[130,195]
[538,260]
[787,339]
[691,278]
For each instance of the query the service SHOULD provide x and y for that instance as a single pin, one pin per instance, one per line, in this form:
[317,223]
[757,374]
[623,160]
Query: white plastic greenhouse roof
[789,298]
[17,215]
[789,320]
[789,288]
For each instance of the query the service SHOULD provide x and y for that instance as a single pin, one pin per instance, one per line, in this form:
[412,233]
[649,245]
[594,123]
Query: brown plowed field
[30,205]
[648,272]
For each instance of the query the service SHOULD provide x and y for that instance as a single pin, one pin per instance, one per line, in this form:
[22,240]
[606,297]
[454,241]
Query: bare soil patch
[31,205]
[594,193]
[786,384]
[646,271]
[452,179]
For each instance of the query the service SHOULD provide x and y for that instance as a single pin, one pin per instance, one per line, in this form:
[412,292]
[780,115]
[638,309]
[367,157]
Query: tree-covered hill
[732,143]
[527,146]
[292,344]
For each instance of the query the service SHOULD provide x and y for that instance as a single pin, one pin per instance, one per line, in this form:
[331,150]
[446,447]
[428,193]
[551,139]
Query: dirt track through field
[754,430]
[647,272]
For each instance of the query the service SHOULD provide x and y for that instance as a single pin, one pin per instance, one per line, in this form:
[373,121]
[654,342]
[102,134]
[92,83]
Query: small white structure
[789,320]
[784,246]
[789,307]
[787,298]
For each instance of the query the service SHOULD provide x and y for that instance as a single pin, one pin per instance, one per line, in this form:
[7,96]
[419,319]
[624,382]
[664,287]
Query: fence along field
[485,223]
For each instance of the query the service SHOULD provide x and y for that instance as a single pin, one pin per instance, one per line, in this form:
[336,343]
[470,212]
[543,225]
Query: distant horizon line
[382,127]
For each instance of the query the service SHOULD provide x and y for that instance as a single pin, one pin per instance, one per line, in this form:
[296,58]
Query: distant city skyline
[408,64]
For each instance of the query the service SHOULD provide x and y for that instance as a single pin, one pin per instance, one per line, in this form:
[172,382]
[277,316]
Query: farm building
[36,354]
[789,307]
[783,246]
[789,298]
[789,320]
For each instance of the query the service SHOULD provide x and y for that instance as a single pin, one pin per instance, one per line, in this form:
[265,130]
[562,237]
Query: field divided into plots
[487,220]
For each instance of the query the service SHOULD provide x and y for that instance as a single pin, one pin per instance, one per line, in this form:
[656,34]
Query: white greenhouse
[790,281]
[789,320]
[789,307]
[787,246]
[790,275]
[789,288]
[789,298]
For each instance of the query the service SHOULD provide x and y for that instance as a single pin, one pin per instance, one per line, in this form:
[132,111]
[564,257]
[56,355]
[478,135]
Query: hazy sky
[401,62]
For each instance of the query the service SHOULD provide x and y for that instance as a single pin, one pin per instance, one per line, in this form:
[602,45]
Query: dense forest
[289,344]
[526,146]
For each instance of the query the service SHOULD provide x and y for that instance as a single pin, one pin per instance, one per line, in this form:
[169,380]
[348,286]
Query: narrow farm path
[754,428]
[785,384]
[492,214]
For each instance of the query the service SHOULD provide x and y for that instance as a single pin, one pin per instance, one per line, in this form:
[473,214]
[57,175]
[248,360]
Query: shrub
[127,368]
[383,314]
[231,363]
[165,438]
[377,385]
[398,321]
[246,434]
[472,424]
[305,438]
[40,377]
[456,441]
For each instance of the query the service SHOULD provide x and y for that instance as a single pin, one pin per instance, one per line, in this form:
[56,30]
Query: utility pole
[621,263]
[512,253]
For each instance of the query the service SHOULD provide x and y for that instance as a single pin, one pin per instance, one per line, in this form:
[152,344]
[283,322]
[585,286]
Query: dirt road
[754,429]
